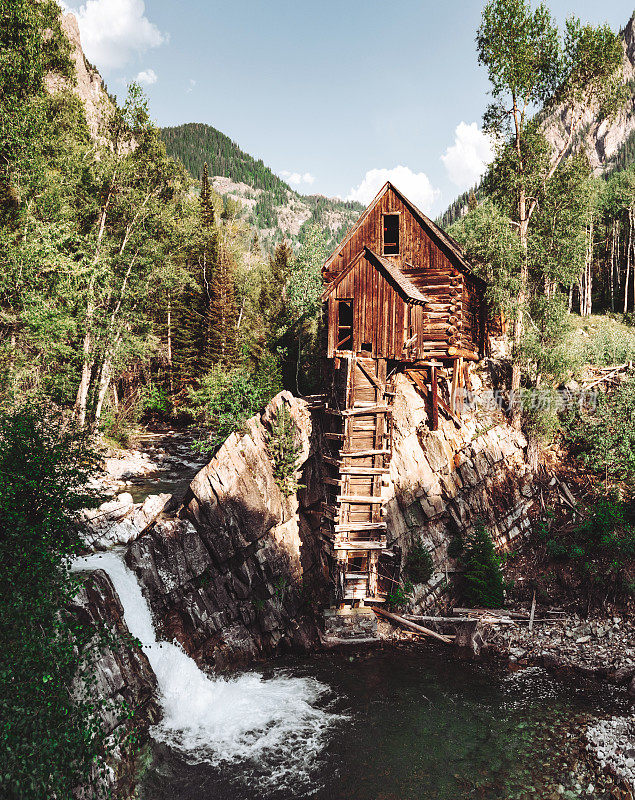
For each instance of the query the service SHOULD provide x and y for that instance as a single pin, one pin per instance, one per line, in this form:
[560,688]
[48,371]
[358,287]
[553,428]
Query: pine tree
[472,202]
[222,333]
[207,206]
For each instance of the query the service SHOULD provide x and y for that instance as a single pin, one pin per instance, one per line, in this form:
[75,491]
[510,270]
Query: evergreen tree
[207,206]
[222,333]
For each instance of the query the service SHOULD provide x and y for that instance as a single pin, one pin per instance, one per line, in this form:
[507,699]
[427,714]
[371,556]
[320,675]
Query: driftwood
[407,624]
[503,612]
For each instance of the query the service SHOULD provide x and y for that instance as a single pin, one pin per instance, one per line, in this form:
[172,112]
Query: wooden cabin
[399,287]
[399,296]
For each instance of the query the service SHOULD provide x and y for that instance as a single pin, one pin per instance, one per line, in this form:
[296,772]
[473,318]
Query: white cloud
[466,160]
[191,85]
[297,178]
[147,77]
[113,31]
[415,185]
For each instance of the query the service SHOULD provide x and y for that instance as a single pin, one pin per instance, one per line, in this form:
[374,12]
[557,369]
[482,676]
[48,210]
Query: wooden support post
[459,385]
[455,384]
[434,398]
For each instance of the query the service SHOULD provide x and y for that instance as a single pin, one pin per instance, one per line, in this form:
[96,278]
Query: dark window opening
[391,234]
[344,325]
[367,348]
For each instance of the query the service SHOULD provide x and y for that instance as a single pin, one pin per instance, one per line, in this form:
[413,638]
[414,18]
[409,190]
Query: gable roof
[402,285]
[442,239]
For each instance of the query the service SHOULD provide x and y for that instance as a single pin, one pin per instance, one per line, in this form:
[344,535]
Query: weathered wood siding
[378,312]
[453,318]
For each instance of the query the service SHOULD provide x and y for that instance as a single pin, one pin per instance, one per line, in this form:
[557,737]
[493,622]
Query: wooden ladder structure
[358,432]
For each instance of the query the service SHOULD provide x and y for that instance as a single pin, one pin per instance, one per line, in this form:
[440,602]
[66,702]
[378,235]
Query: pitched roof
[452,247]
[402,285]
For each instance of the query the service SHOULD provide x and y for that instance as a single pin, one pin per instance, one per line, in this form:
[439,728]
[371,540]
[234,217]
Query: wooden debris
[407,624]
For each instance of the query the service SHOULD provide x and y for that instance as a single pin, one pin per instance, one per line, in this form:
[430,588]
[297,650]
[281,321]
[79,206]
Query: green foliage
[604,341]
[284,449]
[49,732]
[226,398]
[400,596]
[419,566]
[601,549]
[482,577]
[604,438]
[456,547]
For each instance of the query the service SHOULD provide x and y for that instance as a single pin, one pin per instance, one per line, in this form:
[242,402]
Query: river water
[384,724]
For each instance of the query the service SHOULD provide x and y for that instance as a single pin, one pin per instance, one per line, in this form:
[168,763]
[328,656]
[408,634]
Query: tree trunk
[170,342]
[81,400]
[612,266]
[628,257]
[104,382]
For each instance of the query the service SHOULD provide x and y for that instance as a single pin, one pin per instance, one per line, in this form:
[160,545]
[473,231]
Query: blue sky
[334,95]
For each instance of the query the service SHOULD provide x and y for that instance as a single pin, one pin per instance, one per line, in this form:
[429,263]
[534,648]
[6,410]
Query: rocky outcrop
[600,139]
[121,521]
[443,482]
[122,683]
[233,575]
[88,86]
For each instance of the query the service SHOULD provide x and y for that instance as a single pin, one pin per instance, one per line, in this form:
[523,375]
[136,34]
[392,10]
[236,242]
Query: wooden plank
[407,624]
[364,453]
[359,546]
[352,527]
[368,373]
[361,411]
[345,498]
[346,470]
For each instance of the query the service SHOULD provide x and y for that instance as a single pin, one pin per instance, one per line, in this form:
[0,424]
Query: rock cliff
[123,683]
[237,573]
[601,140]
[88,86]
[442,482]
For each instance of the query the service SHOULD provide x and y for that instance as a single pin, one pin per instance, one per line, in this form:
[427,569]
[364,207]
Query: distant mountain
[610,144]
[269,203]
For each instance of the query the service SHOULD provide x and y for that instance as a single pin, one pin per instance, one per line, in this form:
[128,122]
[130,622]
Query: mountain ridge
[268,202]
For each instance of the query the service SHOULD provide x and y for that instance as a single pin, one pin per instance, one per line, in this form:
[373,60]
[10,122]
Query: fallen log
[407,624]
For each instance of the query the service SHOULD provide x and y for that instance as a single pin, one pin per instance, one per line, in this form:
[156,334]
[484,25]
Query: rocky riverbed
[601,648]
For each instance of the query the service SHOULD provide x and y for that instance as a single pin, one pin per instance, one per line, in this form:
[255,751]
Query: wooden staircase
[358,433]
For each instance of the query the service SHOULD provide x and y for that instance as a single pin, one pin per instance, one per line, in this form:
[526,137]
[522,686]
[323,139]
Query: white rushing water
[270,728]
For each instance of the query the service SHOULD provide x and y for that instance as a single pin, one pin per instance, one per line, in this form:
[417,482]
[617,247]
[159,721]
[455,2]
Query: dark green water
[413,725]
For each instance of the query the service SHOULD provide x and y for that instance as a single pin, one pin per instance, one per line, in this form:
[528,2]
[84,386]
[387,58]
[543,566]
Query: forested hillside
[264,199]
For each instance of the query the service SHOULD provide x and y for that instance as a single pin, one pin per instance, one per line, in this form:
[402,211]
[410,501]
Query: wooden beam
[374,409]
[347,527]
[370,376]
[364,470]
[434,399]
[407,624]
[359,545]
[351,498]
[462,353]
[363,453]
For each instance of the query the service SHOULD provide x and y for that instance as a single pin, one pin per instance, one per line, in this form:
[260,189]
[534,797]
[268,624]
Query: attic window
[391,234]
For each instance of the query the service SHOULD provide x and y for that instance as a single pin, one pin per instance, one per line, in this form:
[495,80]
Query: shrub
[50,737]
[400,596]
[482,577]
[556,549]
[284,449]
[225,399]
[605,438]
[419,565]
[455,547]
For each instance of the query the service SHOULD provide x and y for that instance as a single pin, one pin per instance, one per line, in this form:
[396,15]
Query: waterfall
[272,729]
